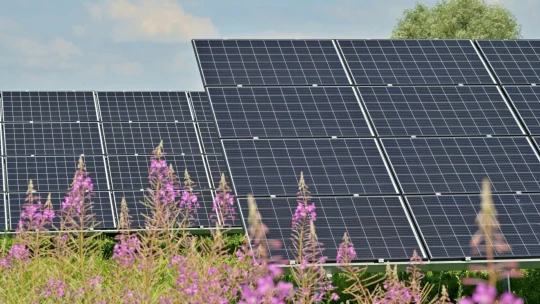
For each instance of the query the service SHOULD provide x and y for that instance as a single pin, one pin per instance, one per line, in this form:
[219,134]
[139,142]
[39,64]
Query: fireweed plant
[55,258]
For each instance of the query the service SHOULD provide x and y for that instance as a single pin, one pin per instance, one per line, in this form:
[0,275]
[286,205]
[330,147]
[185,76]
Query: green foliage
[457,19]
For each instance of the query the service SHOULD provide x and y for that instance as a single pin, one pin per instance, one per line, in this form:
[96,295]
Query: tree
[457,19]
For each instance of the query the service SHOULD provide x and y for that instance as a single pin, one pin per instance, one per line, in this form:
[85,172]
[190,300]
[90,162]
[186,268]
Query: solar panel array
[394,138]
[44,133]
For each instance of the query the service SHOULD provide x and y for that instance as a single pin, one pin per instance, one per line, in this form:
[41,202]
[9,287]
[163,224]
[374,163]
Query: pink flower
[484,294]
[510,298]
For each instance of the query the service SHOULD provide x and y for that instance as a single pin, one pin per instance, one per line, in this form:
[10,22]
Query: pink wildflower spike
[223,203]
[80,192]
[346,251]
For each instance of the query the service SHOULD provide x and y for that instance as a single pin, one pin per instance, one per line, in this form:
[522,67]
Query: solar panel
[48,106]
[330,166]
[378,62]
[144,137]
[3,208]
[447,224]
[288,112]
[201,106]
[52,173]
[137,210]
[131,172]
[439,111]
[144,106]
[101,208]
[269,62]
[527,102]
[217,166]
[210,138]
[513,61]
[458,165]
[377,226]
[25,139]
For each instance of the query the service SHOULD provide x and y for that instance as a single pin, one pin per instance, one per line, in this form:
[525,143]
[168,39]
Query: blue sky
[145,44]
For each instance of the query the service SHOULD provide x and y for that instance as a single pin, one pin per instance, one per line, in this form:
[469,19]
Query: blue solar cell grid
[439,111]
[52,173]
[201,106]
[217,165]
[458,165]
[377,226]
[144,137]
[25,139]
[513,61]
[406,62]
[330,166]
[447,224]
[144,106]
[3,215]
[101,208]
[210,138]
[269,62]
[48,106]
[527,102]
[278,112]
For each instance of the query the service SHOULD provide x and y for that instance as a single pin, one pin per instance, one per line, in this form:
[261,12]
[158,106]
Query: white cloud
[56,54]
[78,30]
[152,20]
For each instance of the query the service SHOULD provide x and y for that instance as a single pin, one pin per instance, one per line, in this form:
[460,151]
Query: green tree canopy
[457,19]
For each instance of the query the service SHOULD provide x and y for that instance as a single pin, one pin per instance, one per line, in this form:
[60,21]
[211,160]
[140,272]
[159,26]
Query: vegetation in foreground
[55,260]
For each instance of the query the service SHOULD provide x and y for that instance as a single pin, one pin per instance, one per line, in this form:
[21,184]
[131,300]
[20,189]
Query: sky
[141,45]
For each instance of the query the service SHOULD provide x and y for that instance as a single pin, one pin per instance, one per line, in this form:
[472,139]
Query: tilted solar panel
[201,106]
[269,62]
[210,138]
[144,106]
[447,224]
[288,112]
[144,137]
[49,106]
[217,166]
[526,99]
[330,166]
[3,216]
[458,165]
[26,139]
[439,111]
[513,61]
[377,226]
[379,62]
[101,208]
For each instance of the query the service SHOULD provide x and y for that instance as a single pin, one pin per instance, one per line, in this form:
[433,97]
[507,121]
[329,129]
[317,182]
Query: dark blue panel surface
[210,138]
[513,61]
[101,208]
[439,111]
[269,62]
[49,106]
[132,172]
[52,173]
[527,102]
[288,112]
[458,165]
[447,224]
[377,226]
[144,137]
[137,210]
[217,166]
[3,216]
[25,139]
[330,166]
[376,62]
[144,106]
[201,106]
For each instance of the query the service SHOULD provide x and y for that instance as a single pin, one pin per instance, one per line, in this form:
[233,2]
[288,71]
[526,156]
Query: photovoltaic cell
[513,61]
[210,138]
[101,207]
[201,105]
[52,173]
[330,166]
[269,62]
[377,226]
[439,111]
[144,137]
[132,172]
[458,165]
[49,106]
[447,224]
[25,139]
[144,106]
[288,112]
[3,216]
[378,62]
[137,210]
[217,165]
[527,102]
